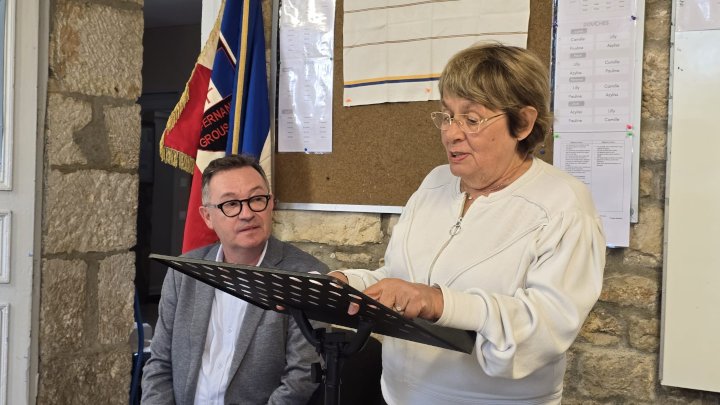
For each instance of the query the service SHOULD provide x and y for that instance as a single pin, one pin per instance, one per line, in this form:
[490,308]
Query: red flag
[224,108]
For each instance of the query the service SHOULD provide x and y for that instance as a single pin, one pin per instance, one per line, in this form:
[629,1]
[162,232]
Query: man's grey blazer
[272,359]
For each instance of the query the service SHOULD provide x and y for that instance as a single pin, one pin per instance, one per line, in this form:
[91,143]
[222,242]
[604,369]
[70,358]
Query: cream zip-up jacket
[522,268]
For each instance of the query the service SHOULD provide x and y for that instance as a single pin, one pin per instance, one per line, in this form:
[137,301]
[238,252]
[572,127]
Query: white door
[18,158]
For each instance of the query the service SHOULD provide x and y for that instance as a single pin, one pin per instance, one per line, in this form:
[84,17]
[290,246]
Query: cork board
[381,152]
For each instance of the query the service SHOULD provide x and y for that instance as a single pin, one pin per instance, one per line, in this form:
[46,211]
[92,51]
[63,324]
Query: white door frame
[19,187]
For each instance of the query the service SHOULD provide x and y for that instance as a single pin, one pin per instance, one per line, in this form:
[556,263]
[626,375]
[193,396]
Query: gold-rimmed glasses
[467,123]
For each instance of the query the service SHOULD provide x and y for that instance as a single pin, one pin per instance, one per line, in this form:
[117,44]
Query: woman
[496,241]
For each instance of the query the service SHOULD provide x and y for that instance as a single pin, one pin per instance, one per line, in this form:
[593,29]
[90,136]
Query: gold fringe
[180,106]
[210,46]
[177,159]
[171,156]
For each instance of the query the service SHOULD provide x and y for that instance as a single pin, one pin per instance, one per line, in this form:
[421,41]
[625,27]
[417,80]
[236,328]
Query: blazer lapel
[250,322]
[204,298]
[253,314]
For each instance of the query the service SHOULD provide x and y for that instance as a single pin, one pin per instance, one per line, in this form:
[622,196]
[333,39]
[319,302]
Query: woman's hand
[354,307]
[411,300]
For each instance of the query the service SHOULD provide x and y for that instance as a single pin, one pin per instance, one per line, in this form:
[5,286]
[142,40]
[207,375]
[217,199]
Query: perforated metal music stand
[322,298]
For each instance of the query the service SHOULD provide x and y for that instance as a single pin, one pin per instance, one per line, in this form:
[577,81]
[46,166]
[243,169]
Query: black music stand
[322,298]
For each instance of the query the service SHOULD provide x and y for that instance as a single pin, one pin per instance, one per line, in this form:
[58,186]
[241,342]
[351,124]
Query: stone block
[324,253]
[646,182]
[571,376]
[683,396]
[361,260]
[657,20]
[89,211]
[267,8]
[96,49]
[391,222]
[332,228]
[123,126]
[655,82]
[634,258]
[657,28]
[644,333]
[65,116]
[86,378]
[115,298]
[647,235]
[631,291]
[601,328]
[652,179]
[573,400]
[653,140]
[611,372]
[62,307]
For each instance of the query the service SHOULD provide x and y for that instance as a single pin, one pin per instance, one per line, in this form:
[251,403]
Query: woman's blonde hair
[504,78]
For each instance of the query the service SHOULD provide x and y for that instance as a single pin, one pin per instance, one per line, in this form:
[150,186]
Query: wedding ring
[399,309]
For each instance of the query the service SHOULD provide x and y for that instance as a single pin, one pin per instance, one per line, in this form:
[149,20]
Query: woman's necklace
[497,187]
[488,191]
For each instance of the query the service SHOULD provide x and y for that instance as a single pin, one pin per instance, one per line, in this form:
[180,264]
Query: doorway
[171,45]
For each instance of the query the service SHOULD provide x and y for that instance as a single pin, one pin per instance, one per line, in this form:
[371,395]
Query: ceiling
[166,13]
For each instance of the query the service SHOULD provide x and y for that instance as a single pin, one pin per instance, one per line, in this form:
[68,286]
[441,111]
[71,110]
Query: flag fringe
[171,156]
[177,159]
[209,44]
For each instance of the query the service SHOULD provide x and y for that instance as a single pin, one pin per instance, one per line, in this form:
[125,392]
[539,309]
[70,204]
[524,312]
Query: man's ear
[529,115]
[205,214]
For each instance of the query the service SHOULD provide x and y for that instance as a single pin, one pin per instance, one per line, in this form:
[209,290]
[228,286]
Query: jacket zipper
[454,230]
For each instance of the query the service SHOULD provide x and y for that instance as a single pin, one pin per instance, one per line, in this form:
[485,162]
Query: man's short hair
[228,163]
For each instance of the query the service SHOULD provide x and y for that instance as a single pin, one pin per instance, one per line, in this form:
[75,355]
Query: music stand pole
[334,347]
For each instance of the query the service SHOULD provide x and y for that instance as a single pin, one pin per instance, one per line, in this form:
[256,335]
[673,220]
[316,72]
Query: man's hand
[338,275]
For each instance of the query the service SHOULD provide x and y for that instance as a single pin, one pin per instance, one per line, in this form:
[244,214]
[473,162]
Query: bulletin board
[382,152]
[690,329]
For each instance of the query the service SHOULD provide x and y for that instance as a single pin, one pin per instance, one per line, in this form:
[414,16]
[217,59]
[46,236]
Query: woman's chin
[457,169]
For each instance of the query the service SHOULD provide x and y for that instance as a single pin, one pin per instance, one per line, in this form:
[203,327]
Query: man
[210,347]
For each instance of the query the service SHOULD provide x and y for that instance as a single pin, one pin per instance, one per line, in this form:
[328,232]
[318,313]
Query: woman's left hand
[411,300]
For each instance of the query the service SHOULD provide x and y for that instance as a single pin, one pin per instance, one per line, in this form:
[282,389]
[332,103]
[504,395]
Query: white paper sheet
[602,162]
[593,9]
[305,106]
[395,50]
[595,105]
[305,76]
[594,75]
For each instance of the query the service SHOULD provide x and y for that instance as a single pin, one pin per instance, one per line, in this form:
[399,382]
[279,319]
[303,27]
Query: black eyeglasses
[233,208]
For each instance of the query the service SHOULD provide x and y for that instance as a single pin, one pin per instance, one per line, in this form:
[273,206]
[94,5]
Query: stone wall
[91,147]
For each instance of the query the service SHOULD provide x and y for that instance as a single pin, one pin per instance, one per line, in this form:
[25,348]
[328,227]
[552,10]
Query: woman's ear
[529,115]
